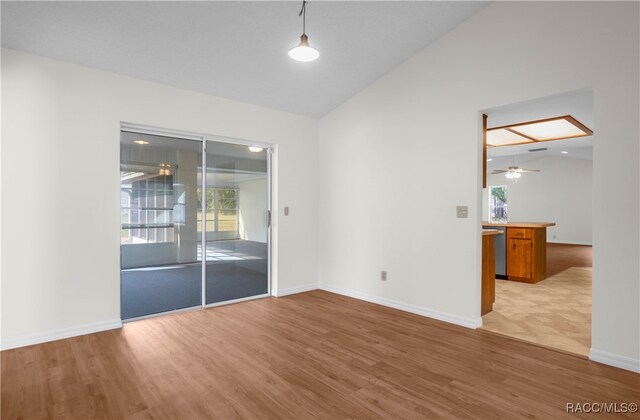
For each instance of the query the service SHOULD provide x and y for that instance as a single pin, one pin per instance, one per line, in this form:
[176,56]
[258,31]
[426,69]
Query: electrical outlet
[462,212]
[383,275]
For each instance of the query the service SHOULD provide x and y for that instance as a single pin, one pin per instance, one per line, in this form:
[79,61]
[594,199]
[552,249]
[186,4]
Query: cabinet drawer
[519,233]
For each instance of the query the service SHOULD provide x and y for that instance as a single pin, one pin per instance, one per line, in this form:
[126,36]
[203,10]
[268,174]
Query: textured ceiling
[236,50]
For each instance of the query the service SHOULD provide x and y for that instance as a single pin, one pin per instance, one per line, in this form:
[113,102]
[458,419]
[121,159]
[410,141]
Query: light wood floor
[555,312]
[311,355]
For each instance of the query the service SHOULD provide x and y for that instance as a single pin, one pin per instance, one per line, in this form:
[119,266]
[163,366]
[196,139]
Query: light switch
[462,212]
[286,211]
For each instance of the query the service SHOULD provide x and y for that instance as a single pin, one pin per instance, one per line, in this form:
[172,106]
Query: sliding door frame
[204,139]
[203,226]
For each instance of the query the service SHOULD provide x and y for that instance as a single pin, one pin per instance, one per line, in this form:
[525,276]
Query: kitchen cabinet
[519,258]
[526,250]
[488,270]
[526,254]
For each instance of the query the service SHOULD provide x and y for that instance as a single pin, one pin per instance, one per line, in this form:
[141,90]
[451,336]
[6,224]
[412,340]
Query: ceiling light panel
[556,129]
[504,137]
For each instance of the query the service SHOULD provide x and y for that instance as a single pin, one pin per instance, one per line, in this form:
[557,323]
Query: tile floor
[554,313]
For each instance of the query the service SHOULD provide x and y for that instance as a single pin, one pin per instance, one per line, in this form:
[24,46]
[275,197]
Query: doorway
[537,201]
[195,222]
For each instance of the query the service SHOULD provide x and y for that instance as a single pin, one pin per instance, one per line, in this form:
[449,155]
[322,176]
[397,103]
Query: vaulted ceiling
[236,50]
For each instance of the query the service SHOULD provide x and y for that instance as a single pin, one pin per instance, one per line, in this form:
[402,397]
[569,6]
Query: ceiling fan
[513,172]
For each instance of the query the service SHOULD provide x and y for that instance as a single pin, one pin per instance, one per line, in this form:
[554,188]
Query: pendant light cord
[303,13]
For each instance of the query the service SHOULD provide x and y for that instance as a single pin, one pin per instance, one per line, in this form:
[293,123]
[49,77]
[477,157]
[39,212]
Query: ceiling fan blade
[529,170]
[499,171]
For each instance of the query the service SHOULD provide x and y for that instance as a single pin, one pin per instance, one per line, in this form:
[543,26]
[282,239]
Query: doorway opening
[195,222]
[537,209]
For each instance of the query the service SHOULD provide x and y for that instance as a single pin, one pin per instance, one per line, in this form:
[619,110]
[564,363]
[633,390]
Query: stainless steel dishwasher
[500,244]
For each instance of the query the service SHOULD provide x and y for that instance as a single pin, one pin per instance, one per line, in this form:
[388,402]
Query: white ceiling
[236,50]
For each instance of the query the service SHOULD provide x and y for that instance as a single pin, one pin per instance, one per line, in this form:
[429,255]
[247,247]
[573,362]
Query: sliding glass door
[236,222]
[191,237]
[160,270]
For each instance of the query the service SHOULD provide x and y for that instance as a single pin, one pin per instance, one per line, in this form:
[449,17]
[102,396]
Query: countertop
[488,232]
[521,224]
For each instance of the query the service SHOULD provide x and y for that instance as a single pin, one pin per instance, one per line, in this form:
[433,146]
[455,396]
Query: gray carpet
[235,269]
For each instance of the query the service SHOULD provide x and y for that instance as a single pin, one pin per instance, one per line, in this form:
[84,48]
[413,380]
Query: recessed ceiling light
[564,152]
[557,128]
[489,160]
[255,149]
[141,142]
[165,169]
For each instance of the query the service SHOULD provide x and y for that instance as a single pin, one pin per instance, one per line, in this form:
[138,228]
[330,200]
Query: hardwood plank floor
[311,355]
[563,256]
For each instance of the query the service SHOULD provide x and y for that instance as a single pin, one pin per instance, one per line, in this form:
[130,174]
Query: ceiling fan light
[303,51]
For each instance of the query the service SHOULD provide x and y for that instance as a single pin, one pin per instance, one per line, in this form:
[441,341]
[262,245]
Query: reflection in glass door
[160,269]
[189,240]
[236,241]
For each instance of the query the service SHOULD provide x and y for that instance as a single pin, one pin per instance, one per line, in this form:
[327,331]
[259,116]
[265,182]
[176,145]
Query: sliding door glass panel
[160,268]
[236,222]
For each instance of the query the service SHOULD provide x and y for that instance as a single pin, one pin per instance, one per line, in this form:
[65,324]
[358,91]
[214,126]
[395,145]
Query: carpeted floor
[235,269]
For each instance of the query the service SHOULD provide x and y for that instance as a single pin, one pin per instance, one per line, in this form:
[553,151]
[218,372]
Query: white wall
[395,161]
[398,157]
[560,193]
[60,242]
[253,210]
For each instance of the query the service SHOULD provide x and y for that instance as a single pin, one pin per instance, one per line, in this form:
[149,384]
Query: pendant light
[303,51]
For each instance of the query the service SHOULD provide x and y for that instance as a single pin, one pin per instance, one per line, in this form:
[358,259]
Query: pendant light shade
[303,51]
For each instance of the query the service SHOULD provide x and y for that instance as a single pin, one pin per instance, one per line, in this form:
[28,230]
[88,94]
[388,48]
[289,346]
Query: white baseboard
[419,310]
[30,339]
[294,290]
[616,360]
[555,241]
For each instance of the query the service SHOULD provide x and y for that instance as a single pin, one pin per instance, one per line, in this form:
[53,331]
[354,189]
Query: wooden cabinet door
[488,274]
[520,258]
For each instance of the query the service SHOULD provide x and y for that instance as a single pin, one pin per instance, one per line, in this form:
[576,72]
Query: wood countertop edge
[520,224]
[490,232]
